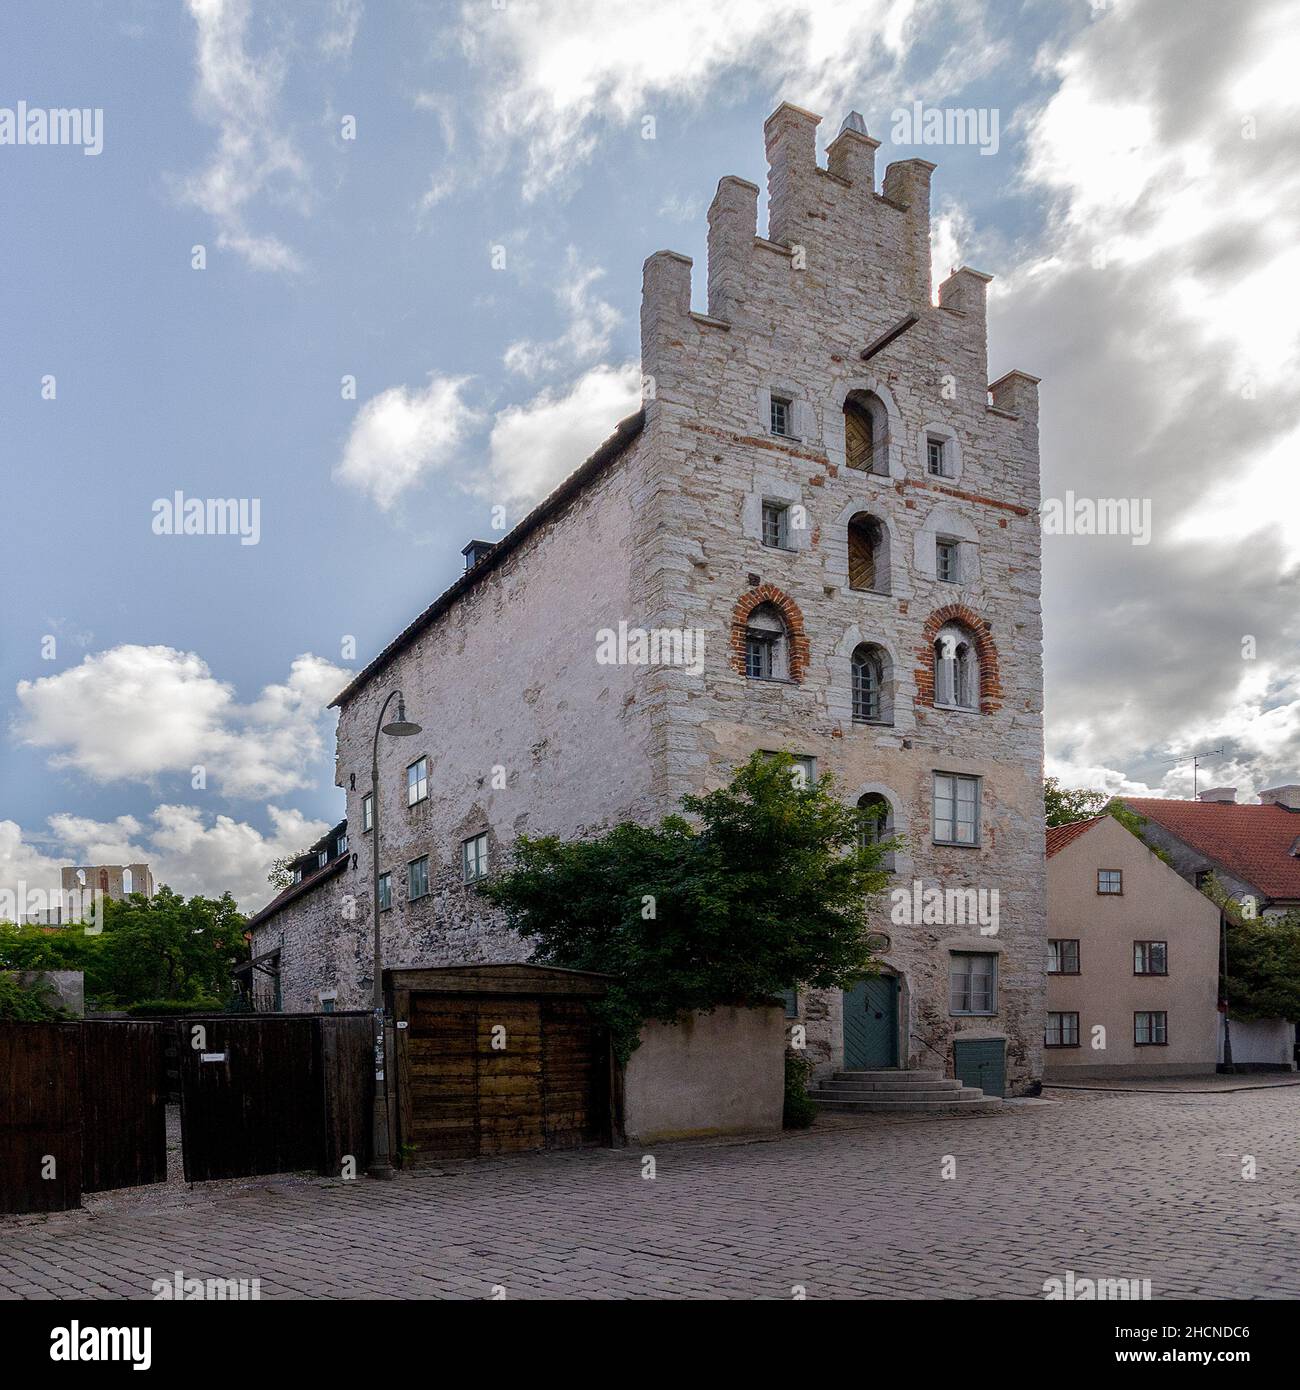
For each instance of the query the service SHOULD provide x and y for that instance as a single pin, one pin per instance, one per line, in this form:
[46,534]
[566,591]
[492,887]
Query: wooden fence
[83,1105]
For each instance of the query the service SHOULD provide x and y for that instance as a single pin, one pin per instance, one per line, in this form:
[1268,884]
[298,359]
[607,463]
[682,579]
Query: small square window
[1063,957]
[474,858]
[936,453]
[417,878]
[367,813]
[956,809]
[1110,881]
[1062,1030]
[782,411]
[972,984]
[417,781]
[947,561]
[1150,958]
[1151,1029]
[385,892]
[776,525]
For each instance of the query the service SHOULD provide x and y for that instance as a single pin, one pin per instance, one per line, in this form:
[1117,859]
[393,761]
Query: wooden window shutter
[859,437]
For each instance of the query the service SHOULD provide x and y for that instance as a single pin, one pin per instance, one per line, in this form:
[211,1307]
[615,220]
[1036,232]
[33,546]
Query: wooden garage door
[502,1074]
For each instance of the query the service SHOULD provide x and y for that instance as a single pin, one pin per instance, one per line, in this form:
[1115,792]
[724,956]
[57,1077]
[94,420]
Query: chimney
[1287,795]
[1228,794]
[476,551]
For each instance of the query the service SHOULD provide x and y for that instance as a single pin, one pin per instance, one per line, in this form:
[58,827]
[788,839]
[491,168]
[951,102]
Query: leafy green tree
[166,947]
[1065,805]
[1263,960]
[770,885]
[34,1003]
[281,875]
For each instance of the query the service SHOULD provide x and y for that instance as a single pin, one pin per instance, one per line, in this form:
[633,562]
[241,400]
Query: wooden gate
[499,1059]
[275,1094]
[40,1116]
[123,1107]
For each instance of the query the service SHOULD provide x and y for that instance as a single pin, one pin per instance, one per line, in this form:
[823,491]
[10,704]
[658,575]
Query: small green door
[982,1062]
[871,1024]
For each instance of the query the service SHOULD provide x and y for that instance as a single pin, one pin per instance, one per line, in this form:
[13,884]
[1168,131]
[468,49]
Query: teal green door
[871,1024]
[982,1062]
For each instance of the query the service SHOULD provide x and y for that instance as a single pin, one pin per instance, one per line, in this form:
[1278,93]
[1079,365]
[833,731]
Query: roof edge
[625,432]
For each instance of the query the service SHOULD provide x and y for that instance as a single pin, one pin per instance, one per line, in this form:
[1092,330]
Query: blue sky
[521,127]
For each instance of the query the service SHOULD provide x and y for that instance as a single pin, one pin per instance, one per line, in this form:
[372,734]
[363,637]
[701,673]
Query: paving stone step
[904,1088]
[843,1091]
[949,1104]
[889,1074]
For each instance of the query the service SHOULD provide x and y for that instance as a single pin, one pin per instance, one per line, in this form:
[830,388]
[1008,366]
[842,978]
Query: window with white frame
[972,983]
[1062,1030]
[766,645]
[782,418]
[385,892]
[947,560]
[956,809]
[342,847]
[870,676]
[936,453]
[417,781]
[417,878]
[367,813]
[776,525]
[474,858]
[956,670]
[1150,958]
[1063,957]
[1150,1029]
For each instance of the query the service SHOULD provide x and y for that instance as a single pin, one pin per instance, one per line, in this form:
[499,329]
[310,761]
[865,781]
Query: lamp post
[380,1163]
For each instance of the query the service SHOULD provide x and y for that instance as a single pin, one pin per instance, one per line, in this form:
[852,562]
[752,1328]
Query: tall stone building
[823,488]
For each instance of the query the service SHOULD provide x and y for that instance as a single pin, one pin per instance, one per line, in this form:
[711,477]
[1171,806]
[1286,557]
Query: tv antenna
[1196,764]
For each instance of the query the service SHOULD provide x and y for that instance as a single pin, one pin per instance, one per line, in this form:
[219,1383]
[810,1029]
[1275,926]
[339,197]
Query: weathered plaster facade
[525,730]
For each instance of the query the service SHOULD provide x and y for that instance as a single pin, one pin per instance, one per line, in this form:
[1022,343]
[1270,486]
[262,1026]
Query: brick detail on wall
[790,615]
[987,653]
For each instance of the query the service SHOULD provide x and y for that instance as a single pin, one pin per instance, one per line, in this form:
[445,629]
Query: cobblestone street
[1108,1185]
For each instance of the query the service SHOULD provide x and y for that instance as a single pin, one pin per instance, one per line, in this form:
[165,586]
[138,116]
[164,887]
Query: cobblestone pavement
[1107,1185]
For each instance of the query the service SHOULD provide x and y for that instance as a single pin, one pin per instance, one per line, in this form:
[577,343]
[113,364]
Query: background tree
[281,875]
[1263,960]
[1065,805]
[769,886]
[34,1003]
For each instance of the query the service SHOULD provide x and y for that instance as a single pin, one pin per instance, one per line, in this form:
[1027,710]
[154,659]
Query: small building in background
[1133,960]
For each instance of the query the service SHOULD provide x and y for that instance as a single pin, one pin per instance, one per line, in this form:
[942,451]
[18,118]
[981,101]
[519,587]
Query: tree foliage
[164,947]
[1065,805]
[31,1003]
[1263,960]
[769,885]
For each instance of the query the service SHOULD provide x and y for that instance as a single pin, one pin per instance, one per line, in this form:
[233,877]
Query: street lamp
[401,727]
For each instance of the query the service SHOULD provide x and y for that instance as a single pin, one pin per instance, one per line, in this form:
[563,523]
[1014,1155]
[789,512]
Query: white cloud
[136,713]
[558,74]
[1159,307]
[591,324]
[184,849]
[342,20]
[239,94]
[401,435]
[536,446]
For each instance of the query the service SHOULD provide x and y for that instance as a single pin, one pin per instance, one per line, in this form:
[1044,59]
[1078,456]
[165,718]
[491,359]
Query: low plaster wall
[716,1073]
[1268,1042]
[69,987]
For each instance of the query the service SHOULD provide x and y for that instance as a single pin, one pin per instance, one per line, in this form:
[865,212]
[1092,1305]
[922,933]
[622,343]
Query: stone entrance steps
[904,1092]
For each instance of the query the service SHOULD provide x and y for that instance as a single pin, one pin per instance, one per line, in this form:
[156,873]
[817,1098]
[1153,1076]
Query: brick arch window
[768,617]
[938,682]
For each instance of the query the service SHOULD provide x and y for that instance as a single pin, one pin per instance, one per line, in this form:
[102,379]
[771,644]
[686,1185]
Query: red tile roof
[1254,843]
[1058,836]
